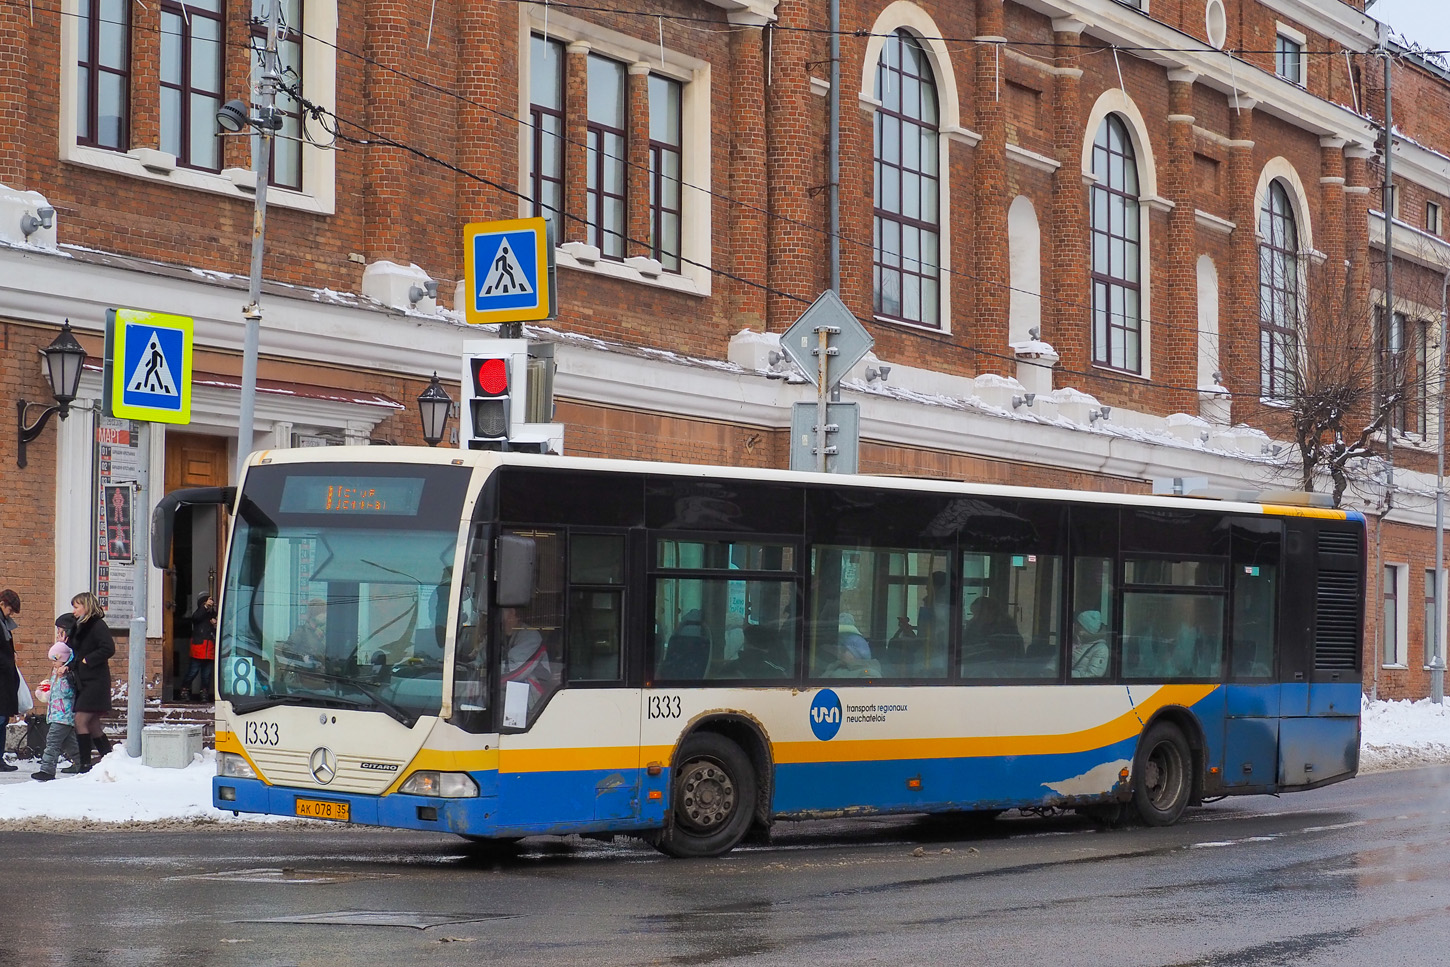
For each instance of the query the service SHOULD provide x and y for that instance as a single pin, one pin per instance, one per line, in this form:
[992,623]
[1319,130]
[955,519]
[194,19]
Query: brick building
[1083,234]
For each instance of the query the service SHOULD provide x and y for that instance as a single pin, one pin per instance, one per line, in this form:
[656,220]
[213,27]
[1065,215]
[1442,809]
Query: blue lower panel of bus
[399,810]
[531,803]
[804,789]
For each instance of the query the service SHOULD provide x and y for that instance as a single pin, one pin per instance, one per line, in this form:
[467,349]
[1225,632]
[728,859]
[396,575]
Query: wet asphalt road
[1357,873]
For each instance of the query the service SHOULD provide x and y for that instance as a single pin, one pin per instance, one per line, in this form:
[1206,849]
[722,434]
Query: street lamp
[64,358]
[433,406]
[233,117]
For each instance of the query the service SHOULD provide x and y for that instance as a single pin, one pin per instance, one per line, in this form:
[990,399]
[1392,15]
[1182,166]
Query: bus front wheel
[712,798]
[1162,780]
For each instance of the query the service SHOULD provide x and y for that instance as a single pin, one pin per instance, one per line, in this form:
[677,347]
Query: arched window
[1117,259]
[906,278]
[1278,294]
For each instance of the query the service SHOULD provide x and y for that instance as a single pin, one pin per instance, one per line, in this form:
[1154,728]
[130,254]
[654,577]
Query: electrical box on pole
[508,398]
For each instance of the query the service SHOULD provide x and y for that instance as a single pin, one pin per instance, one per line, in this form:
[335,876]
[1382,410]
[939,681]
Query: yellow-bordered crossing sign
[508,268]
[148,366]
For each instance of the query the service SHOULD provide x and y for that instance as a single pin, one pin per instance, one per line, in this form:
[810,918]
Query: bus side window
[1092,621]
[596,607]
[1256,550]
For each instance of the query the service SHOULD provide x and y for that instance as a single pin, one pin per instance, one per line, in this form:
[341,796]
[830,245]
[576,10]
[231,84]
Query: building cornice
[1172,49]
[1333,19]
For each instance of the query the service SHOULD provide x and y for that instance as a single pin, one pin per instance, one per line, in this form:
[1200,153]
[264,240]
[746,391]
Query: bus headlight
[229,765]
[441,785]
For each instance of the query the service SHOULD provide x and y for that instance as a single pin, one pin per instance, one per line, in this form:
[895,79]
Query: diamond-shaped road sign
[800,341]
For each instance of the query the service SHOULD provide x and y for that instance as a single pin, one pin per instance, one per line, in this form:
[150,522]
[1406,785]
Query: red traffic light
[490,377]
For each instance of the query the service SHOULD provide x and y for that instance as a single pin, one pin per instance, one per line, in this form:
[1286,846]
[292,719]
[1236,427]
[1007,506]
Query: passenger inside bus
[526,658]
[853,652]
[1089,646]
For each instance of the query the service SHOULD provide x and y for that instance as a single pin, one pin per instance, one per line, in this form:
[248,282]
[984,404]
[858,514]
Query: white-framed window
[191,71]
[607,184]
[1432,217]
[1394,615]
[101,99]
[1279,295]
[680,144]
[1117,259]
[666,158]
[546,133]
[285,170]
[1289,54]
[906,245]
[96,91]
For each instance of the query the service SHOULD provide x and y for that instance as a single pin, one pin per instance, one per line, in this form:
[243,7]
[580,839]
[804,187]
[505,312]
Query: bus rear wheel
[1162,779]
[712,798]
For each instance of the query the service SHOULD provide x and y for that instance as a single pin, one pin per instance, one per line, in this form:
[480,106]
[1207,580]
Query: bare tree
[1359,377]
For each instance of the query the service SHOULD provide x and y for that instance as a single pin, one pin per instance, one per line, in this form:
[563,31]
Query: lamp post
[1437,661]
[64,359]
[433,406]
[233,117]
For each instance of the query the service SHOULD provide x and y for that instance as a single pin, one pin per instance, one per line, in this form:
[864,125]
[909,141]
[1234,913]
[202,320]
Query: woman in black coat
[9,674]
[93,647]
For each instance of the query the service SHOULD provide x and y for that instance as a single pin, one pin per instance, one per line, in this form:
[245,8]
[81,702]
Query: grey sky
[1425,22]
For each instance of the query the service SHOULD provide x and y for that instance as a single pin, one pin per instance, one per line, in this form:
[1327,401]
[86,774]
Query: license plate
[322,809]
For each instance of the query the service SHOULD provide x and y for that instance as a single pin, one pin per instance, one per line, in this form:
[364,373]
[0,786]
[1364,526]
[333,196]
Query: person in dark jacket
[203,649]
[93,647]
[9,674]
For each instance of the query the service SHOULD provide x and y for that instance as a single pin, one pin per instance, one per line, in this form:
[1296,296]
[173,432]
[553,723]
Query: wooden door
[191,461]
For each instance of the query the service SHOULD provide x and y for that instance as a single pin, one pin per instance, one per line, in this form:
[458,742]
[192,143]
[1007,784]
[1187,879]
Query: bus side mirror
[163,518]
[517,564]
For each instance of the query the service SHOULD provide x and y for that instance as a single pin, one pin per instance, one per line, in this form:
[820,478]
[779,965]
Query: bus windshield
[337,587]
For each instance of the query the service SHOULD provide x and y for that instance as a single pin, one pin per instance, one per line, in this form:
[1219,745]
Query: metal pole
[252,312]
[1387,202]
[823,341]
[833,177]
[141,551]
[1388,321]
[1437,661]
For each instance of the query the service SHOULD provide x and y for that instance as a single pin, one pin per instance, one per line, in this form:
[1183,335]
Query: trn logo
[826,714]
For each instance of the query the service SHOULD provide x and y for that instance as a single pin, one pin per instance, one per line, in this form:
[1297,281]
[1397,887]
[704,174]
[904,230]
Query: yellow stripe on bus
[1123,727]
[1321,512]
[572,760]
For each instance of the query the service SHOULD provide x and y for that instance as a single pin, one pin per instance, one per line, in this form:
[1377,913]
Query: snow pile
[118,789]
[1403,734]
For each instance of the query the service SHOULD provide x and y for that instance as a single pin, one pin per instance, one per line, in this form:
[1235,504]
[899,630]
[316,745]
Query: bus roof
[489,459]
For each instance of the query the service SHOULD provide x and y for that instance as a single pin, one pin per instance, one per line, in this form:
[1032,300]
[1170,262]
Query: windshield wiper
[408,720]
[242,706]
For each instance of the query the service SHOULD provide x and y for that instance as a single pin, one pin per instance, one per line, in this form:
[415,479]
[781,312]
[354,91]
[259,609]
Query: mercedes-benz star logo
[324,764]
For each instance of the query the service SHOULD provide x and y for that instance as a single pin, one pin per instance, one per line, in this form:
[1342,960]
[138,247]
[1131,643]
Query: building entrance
[196,549]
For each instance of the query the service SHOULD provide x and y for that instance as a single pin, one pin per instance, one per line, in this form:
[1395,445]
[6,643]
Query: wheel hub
[707,795]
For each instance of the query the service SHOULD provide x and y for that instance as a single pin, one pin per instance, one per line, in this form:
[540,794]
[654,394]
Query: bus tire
[712,798]
[1162,775]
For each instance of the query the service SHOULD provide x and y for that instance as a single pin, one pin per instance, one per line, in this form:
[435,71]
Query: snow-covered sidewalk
[1397,735]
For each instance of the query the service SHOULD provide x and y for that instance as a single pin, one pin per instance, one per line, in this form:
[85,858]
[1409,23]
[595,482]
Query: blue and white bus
[502,645]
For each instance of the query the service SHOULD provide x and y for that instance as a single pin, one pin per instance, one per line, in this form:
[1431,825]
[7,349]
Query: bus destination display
[389,496]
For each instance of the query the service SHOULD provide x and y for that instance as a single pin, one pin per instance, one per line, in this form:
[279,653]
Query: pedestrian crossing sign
[148,366]
[509,271]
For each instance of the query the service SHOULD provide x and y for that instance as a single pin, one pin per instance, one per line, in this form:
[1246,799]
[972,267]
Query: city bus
[501,645]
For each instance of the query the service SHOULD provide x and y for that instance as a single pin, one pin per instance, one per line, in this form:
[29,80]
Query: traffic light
[508,390]
[490,407]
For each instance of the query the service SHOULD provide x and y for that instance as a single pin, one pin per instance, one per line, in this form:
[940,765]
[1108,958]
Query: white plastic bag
[26,702]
